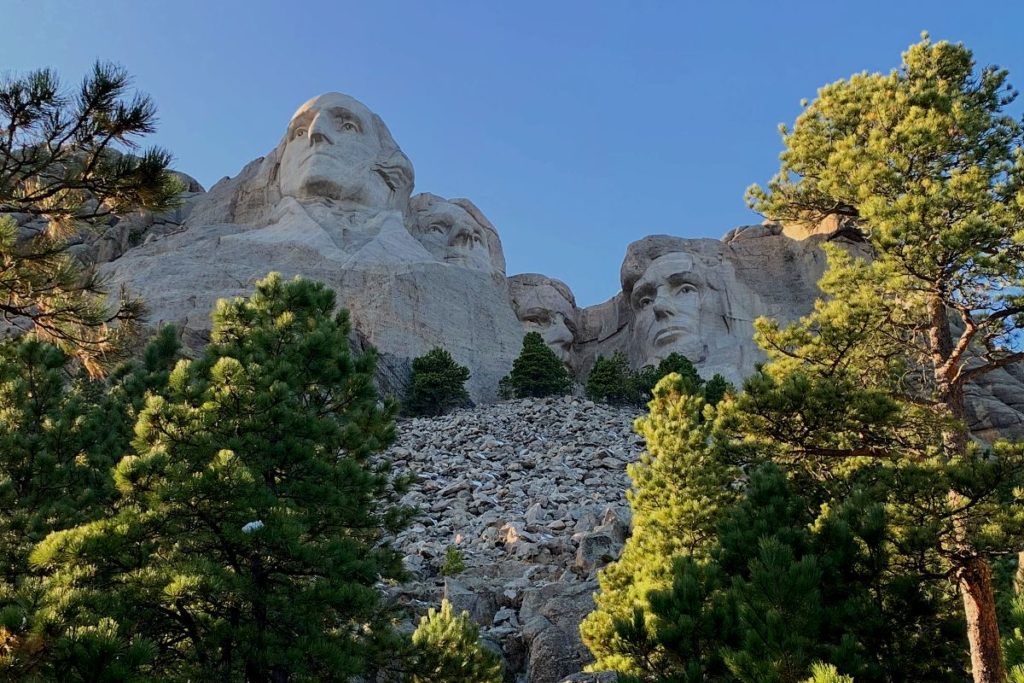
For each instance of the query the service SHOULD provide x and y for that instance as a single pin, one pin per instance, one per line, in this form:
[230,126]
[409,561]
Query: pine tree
[63,160]
[716,389]
[247,538]
[930,166]
[684,634]
[437,384]
[59,437]
[680,487]
[610,380]
[827,673]
[448,649]
[537,371]
[788,583]
[647,377]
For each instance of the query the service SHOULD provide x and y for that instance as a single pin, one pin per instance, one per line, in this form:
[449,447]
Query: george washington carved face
[335,148]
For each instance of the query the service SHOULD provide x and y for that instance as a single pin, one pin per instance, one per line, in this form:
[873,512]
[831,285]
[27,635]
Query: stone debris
[532,494]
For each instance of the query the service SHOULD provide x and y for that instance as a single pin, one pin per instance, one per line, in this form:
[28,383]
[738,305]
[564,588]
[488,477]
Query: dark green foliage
[62,160]
[648,376]
[247,537]
[787,586]
[536,372]
[59,437]
[51,471]
[611,380]
[717,388]
[454,562]
[447,649]
[437,384]
[693,620]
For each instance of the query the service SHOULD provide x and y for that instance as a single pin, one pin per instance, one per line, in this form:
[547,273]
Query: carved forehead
[453,212]
[664,267]
[537,293]
[331,100]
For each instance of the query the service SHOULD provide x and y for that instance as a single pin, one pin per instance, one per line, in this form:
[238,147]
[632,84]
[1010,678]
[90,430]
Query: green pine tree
[437,384]
[447,649]
[680,488]
[63,160]
[716,389]
[537,371]
[247,540]
[59,436]
[610,380]
[647,377]
[827,673]
[929,164]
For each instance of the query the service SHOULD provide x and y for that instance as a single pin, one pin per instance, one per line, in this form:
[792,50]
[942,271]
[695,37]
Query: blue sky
[577,127]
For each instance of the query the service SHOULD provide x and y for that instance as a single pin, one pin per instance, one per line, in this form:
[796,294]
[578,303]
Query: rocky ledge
[531,493]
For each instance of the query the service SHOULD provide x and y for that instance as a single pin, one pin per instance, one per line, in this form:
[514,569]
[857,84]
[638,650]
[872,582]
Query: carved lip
[668,334]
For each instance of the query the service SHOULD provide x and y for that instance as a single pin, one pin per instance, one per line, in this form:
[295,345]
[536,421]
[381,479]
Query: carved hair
[640,255]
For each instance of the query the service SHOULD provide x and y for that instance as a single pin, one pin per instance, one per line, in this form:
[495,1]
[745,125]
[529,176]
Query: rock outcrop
[534,514]
[333,201]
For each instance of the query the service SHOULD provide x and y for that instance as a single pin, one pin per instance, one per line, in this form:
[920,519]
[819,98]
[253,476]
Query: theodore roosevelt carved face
[546,305]
[337,149]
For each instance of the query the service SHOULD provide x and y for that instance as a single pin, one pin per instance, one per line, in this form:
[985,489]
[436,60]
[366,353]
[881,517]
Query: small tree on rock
[438,383]
[537,371]
[611,380]
[448,649]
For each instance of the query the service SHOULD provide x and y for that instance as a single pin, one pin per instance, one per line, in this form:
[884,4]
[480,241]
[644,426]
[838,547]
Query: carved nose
[463,239]
[663,308]
[317,132]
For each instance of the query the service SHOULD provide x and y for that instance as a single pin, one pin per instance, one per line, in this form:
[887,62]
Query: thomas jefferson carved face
[336,148]
[666,304]
[448,232]
[546,306]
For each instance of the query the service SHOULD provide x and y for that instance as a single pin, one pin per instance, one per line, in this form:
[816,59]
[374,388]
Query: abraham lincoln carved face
[666,303]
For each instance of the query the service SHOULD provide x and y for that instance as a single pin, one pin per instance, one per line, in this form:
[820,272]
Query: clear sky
[577,127]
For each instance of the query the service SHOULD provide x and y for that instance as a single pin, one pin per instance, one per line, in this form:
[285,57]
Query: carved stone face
[546,306]
[554,326]
[336,148]
[666,304]
[452,235]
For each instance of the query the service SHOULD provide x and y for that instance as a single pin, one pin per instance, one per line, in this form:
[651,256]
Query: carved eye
[686,288]
[350,127]
[299,133]
[539,319]
[438,227]
[645,301]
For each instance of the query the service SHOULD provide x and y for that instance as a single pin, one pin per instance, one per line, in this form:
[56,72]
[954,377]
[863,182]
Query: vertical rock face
[333,201]
[700,297]
[547,306]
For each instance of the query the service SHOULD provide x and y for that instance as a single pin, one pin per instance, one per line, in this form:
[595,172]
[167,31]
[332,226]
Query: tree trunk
[975,582]
[974,578]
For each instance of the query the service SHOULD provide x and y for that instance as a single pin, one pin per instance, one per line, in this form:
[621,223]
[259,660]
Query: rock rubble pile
[531,495]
